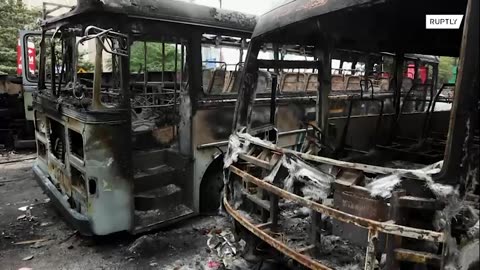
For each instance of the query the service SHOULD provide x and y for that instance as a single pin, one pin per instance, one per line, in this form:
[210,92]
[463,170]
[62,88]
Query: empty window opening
[78,179]
[57,140]
[76,143]
[41,149]
[39,124]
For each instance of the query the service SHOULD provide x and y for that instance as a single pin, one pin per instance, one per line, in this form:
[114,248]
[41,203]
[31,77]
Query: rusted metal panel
[355,201]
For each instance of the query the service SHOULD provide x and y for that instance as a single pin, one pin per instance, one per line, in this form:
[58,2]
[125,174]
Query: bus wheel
[211,190]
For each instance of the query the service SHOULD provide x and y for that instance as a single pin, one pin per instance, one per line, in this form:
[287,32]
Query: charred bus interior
[393,187]
[115,146]
[16,125]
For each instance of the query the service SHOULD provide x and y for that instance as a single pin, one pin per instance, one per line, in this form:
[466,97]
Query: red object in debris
[31,53]
[213,264]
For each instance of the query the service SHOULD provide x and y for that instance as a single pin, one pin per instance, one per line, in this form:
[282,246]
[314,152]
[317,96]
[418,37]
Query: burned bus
[393,190]
[117,147]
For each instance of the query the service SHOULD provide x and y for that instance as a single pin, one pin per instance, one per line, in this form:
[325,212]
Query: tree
[154,57]
[445,69]
[14,16]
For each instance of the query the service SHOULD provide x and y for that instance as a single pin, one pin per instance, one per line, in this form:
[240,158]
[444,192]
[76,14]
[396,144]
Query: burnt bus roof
[161,10]
[365,25]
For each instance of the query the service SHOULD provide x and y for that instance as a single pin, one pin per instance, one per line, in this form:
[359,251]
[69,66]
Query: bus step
[143,159]
[153,178]
[162,198]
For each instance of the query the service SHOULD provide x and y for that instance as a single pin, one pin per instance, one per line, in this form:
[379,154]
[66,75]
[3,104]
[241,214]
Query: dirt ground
[58,246]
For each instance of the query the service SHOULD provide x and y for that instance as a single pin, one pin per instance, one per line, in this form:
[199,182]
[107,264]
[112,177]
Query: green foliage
[14,16]
[445,69]
[154,57]
[85,65]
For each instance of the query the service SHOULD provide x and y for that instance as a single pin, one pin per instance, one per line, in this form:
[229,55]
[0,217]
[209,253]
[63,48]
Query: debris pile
[225,248]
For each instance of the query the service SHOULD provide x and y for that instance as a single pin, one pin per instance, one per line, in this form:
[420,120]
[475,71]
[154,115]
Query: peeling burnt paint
[232,17]
[167,10]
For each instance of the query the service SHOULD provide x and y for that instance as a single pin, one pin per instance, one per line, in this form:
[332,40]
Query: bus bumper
[80,222]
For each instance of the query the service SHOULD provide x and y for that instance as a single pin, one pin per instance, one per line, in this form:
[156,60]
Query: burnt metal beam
[246,91]
[277,64]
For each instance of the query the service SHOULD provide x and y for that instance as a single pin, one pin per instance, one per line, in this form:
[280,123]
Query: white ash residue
[255,140]
[238,143]
[350,267]
[316,184]
[468,255]
[384,185]
[473,232]
[235,147]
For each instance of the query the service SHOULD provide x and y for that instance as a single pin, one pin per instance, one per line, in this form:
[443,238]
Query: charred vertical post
[194,53]
[325,85]
[368,67]
[145,72]
[41,72]
[434,79]
[273,100]
[465,106]
[97,76]
[274,211]
[315,231]
[175,82]
[123,66]
[53,64]
[394,241]
[398,79]
[416,74]
[246,91]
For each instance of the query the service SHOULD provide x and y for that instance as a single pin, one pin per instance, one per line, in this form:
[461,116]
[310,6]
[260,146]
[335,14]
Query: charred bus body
[16,114]
[383,191]
[117,147]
